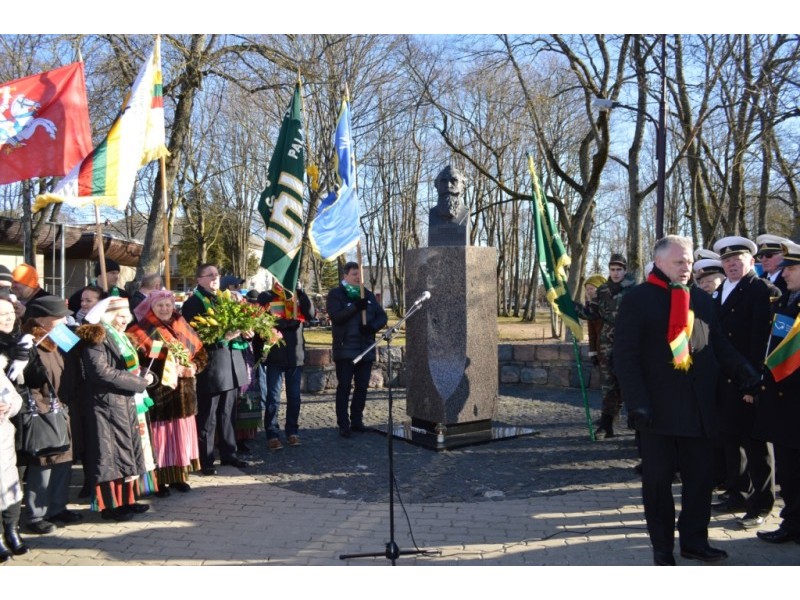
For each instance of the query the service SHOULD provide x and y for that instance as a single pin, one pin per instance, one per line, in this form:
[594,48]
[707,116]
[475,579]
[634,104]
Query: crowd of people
[709,375]
[146,402]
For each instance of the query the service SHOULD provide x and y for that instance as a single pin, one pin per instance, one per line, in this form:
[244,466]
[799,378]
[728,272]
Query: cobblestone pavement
[554,498]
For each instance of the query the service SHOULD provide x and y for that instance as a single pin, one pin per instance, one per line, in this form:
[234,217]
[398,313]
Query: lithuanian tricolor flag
[785,359]
[107,175]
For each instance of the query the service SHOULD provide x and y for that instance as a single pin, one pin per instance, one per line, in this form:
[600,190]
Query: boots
[605,427]
[5,553]
[15,543]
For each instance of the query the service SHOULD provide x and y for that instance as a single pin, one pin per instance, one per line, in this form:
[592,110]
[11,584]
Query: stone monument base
[459,436]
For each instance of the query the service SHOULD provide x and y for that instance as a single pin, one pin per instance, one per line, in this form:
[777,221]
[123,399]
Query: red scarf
[150,328]
[681,321]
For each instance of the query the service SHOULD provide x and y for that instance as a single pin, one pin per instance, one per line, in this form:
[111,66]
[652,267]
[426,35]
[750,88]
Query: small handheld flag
[155,350]
[63,337]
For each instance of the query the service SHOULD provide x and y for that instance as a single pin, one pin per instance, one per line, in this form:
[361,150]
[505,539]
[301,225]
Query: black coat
[745,320]
[348,339]
[682,402]
[292,352]
[778,403]
[227,369]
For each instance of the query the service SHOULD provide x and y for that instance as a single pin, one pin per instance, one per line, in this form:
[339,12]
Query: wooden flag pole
[166,221]
[355,184]
[361,271]
[101,253]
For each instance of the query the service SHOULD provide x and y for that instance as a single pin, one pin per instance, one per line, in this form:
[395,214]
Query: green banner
[281,202]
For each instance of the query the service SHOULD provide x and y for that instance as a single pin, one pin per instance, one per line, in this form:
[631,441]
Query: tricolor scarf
[681,321]
[284,307]
[123,346]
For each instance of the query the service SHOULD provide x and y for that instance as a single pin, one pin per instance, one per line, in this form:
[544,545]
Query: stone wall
[537,364]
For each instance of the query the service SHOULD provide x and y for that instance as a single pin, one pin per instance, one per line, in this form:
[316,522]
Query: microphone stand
[392,551]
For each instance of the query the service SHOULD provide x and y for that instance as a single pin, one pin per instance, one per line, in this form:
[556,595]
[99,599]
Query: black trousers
[749,472]
[695,463]
[357,376]
[215,416]
[787,474]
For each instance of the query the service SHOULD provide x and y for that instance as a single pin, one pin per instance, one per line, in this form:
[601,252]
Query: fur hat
[111,265]
[26,275]
[618,259]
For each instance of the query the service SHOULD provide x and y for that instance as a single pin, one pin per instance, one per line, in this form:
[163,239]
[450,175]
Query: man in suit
[355,319]
[779,409]
[667,350]
[770,255]
[218,384]
[743,308]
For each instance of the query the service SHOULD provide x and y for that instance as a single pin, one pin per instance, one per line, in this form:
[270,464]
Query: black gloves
[641,417]
[366,330]
[360,304]
[747,378]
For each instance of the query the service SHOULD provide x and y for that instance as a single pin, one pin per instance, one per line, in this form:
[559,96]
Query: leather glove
[641,417]
[366,330]
[361,304]
[747,378]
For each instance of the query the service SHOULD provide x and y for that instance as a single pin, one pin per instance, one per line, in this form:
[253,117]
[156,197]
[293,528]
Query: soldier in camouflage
[609,298]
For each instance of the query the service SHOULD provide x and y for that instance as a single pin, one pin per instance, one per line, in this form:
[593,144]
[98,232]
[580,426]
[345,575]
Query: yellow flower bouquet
[230,314]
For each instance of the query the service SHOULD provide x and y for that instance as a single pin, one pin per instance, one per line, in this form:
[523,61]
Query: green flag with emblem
[281,202]
[553,259]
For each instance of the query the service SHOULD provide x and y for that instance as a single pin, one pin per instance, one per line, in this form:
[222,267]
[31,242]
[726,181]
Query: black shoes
[15,543]
[345,432]
[242,448]
[41,527]
[66,517]
[605,427]
[163,492]
[359,427]
[136,508]
[779,536]
[209,471]
[663,559]
[235,462]
[707,554]
[118,514]
[749,521]
[181,486]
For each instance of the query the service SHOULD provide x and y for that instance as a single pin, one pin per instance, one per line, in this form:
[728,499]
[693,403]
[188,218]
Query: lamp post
[603,104]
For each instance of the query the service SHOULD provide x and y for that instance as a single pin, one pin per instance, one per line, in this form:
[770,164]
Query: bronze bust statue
[448,221]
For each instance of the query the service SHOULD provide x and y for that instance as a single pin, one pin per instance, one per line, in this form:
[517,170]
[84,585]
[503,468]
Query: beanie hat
[595,279]
[26,275]
[5,274]
[111,265]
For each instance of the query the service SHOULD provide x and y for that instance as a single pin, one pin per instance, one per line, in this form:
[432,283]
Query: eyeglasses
[768,254]
[212,275]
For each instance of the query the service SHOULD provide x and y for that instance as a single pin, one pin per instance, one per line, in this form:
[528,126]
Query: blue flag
[63,337]
[335,228]
[781,325]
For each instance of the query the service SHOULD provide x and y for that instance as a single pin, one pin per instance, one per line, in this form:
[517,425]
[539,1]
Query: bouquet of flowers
[231,314]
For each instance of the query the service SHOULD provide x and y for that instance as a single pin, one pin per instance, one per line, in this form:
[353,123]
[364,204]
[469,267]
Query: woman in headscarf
[169,346]
[10,404]
[115,458]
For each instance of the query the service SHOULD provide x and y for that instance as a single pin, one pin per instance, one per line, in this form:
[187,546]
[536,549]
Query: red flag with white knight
[44,124]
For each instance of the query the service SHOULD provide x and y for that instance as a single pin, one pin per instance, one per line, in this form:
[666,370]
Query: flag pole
[583,388]
[101,254]
[163,162]
[355,185]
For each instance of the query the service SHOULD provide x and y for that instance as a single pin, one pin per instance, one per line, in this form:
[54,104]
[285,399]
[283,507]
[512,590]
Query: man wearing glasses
[770,255]
[218,384]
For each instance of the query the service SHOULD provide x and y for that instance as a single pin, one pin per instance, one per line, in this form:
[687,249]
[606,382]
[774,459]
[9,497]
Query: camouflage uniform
[609,298]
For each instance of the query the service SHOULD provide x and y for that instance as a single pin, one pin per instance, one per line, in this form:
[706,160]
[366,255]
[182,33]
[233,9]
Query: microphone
[426,295]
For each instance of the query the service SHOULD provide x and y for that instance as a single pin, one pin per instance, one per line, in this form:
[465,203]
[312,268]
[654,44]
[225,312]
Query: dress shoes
[118,514]
[663,559]
[41,527]
[779,536]
[345,432]
[707,554]
[66,517]
[749,521]
[243,448]
[729,506]
[181,486]
[359,427]
[235,462]
[274,444]
[15,543]
[293,440]
[163,492]
[136,508]
[209,471]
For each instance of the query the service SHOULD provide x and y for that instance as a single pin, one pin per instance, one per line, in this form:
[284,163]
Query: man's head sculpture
[450,187]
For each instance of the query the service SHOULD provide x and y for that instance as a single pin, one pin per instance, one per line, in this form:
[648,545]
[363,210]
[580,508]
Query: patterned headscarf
[149,327]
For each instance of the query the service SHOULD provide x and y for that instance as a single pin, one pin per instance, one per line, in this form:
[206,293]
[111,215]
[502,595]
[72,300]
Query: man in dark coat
[778,406]
[355,318]
[770,255]
[285,361]
[670,394]
[218,385]
[743,308]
